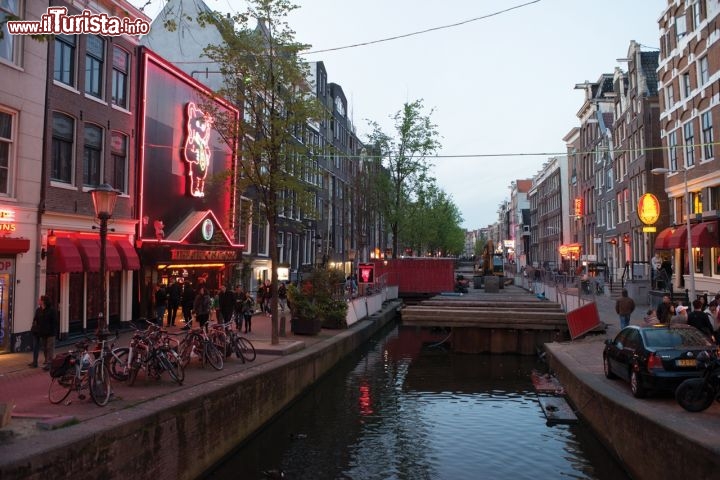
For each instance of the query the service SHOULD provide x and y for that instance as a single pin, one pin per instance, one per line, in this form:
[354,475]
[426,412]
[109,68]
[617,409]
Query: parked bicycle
[153,352]
[230,341]
[198,343]
[77,371]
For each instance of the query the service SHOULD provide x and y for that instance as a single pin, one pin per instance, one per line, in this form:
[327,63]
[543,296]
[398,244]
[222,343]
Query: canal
[403,407]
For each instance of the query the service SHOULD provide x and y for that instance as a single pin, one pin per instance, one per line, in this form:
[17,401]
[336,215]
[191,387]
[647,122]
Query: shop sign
[648,209]
[197,150]
[213,255]
[7,221]
[366,273]
[579,207]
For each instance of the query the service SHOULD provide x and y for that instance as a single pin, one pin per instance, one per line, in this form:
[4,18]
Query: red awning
[90,252]
[663,238]
[128,255]
[678,239]
[64,257]
[705,235]
[9,245]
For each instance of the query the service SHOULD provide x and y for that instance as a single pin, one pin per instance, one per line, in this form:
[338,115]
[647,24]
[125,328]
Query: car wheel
[637,389]
[606,366]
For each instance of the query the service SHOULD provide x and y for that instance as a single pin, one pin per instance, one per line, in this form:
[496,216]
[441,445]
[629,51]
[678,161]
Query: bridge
[512,321]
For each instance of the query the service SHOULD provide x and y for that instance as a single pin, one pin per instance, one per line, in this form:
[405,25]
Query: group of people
[704,315]
[222,305]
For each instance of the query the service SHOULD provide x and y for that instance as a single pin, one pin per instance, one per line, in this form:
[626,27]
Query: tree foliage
[405,155]
[264,76]
[432,226]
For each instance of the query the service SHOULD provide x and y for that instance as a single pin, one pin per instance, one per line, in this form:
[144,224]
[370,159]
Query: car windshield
[675,338]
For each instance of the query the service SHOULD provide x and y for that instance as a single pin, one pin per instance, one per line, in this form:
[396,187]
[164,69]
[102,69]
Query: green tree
[405,157]
[432,224]
[264,76]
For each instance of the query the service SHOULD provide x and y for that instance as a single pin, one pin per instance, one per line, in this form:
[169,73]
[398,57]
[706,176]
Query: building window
[704,73]
[118,151]
[689,144]
[94,59]
[685,85]
[672,151]
[62,148]
[707,135]
[680,26]
[7,152]
[119,77]
[9,44]
[92,155]
[64,61]
[714,200]
[670,93]
[696,11]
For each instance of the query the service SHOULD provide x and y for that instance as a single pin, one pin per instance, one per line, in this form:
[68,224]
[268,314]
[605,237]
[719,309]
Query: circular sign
[648,209]
[208,229]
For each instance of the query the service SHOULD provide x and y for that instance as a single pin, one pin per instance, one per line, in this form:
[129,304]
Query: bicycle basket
[61,364]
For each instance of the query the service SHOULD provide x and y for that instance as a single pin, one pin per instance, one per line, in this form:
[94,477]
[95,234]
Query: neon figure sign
[197,151]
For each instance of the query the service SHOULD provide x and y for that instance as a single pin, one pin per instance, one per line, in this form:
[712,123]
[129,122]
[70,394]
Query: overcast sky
[498,85]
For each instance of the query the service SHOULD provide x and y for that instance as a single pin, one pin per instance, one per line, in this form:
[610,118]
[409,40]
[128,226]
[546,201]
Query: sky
[501,85]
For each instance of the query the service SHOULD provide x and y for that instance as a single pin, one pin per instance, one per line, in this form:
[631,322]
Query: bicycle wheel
[186,348]
[170,367]
[99,382]
[60,387]
[175,360]
[118,366]
[246,348]
[213,356]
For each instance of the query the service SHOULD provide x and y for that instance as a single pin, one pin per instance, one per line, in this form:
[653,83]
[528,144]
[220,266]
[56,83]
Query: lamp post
[691,257]
[104,197]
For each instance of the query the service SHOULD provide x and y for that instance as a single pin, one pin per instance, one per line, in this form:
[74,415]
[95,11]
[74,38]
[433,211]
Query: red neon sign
[197,148]
[579,207]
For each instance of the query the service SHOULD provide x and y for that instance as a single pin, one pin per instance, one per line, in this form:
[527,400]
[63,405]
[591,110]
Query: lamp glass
[104,198]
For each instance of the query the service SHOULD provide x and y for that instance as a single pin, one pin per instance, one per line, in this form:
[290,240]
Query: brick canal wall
[649,438]
[181,436]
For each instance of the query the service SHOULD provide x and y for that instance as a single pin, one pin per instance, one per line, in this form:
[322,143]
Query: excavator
[492,262]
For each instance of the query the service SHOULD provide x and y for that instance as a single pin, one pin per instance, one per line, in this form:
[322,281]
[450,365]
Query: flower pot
[305,326]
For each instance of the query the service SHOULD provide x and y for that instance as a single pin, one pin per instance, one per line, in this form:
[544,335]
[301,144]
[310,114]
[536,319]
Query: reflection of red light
[365,400]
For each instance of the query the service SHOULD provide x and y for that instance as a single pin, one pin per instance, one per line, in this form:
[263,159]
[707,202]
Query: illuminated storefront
[187,203]
[12,256]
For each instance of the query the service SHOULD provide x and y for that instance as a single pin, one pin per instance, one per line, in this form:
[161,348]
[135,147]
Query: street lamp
[691,259]
[104,197]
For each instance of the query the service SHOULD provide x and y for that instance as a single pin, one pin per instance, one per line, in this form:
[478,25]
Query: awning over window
[662,239]
[90,252]
[64,257]
[128,255]
[705,235]
[679,238]
[9,245]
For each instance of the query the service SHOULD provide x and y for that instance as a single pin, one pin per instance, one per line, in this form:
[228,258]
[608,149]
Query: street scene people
[187,300]
[44,328]
[664,310]
[699,319]
[174,297]
[248,307]
[226,300]
[624,306]
[160,303]
[202,306]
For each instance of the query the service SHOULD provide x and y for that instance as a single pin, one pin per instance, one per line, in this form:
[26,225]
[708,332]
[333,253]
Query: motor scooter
[697,394]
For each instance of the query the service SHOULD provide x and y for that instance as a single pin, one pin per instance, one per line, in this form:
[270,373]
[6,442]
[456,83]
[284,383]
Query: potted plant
[305,319]
[334,314]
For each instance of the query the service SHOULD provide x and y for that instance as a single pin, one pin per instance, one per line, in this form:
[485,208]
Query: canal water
[403,407]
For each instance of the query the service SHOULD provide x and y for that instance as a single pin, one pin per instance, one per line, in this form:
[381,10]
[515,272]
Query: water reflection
[398,410]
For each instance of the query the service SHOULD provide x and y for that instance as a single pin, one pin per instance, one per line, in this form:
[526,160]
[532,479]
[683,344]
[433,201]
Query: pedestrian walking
[699,319]
[247,310]
[202,306]
[282,298]
[624,306]
[160,303]
[174,297]
[187,300]
[226,299]
[665,310]
[44,328]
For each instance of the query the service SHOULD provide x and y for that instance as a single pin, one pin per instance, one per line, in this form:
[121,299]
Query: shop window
[114,296]
[699,259]
[76,304]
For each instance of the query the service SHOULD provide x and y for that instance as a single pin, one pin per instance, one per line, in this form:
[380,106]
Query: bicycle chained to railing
[229,341]
[198,343]
[152,350]
[77,371]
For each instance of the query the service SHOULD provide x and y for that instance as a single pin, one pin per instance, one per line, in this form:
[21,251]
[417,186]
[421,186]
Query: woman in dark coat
[44,329]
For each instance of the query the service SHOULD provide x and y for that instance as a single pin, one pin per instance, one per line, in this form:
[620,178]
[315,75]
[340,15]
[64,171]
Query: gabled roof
[193,221]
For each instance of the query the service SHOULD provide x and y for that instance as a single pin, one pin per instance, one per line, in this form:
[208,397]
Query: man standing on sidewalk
[624,306]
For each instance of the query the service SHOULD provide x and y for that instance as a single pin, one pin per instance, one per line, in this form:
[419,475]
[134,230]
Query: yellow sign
[649,229]
[648,209]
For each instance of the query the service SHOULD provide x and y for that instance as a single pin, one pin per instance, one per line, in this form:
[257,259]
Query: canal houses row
[660,110]
[78,111]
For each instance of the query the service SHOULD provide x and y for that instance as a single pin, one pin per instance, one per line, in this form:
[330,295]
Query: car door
[616,354]
[627,354]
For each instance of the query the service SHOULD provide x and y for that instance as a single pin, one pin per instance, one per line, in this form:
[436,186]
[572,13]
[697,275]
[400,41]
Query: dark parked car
[657,357]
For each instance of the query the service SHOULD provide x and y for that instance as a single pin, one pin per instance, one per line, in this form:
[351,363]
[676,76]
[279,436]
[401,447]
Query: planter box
[305,326]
